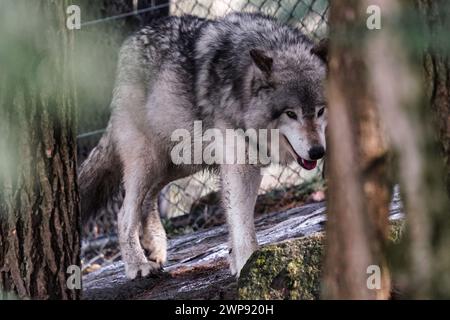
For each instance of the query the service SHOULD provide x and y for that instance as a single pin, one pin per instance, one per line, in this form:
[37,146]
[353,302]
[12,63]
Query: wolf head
[286,90]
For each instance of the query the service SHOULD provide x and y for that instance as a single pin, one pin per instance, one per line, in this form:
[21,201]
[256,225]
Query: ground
[291,243]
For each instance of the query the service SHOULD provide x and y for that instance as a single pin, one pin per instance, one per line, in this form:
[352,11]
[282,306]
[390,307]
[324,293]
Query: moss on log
[289,270]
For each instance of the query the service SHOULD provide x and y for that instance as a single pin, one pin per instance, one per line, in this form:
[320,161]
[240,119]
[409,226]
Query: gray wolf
[242,71]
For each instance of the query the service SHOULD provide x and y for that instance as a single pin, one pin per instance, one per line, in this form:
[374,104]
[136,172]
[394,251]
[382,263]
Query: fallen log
[198,268]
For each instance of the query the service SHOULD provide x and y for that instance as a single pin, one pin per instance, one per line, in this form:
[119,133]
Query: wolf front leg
[240,184]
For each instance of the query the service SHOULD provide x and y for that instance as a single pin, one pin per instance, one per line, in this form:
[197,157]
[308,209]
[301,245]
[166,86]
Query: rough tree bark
[39,220]
[359,190]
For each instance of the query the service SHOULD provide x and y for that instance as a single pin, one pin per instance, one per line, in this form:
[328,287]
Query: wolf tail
[99,177]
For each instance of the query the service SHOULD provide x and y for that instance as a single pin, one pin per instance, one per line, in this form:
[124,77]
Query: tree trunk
[436,15]
[395,71]
[39,206]
[359,191]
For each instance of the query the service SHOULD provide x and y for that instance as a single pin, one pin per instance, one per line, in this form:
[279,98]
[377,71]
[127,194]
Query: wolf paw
[236,268]
[235,271]
[156,249]
[238,261]
[132,270]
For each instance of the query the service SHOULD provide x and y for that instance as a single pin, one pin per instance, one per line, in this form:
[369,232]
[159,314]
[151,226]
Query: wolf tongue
[308,165]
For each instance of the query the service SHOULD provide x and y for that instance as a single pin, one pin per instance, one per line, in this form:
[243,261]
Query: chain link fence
[308,15]
[194,200]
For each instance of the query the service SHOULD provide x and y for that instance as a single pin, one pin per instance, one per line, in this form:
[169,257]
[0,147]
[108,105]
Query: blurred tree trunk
[437,69]
[421,263]
[436,17]
[39,206]
[359,191]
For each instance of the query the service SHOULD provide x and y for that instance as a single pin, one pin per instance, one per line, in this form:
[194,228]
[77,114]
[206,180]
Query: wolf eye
[291,115]
[320,113]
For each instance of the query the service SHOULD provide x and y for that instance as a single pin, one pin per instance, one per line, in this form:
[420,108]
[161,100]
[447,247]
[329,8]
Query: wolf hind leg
[154,238]
[137,184]
[240,184]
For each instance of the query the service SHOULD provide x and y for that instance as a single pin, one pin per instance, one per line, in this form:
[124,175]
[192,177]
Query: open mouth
[305,164]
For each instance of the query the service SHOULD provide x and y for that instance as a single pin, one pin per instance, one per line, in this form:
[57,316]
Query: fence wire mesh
[194,200]
[308,15]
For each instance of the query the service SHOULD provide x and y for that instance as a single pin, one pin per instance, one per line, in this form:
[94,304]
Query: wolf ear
[321,49]
[262,61]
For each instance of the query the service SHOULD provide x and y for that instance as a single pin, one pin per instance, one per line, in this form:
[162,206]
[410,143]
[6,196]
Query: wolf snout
[316,152]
